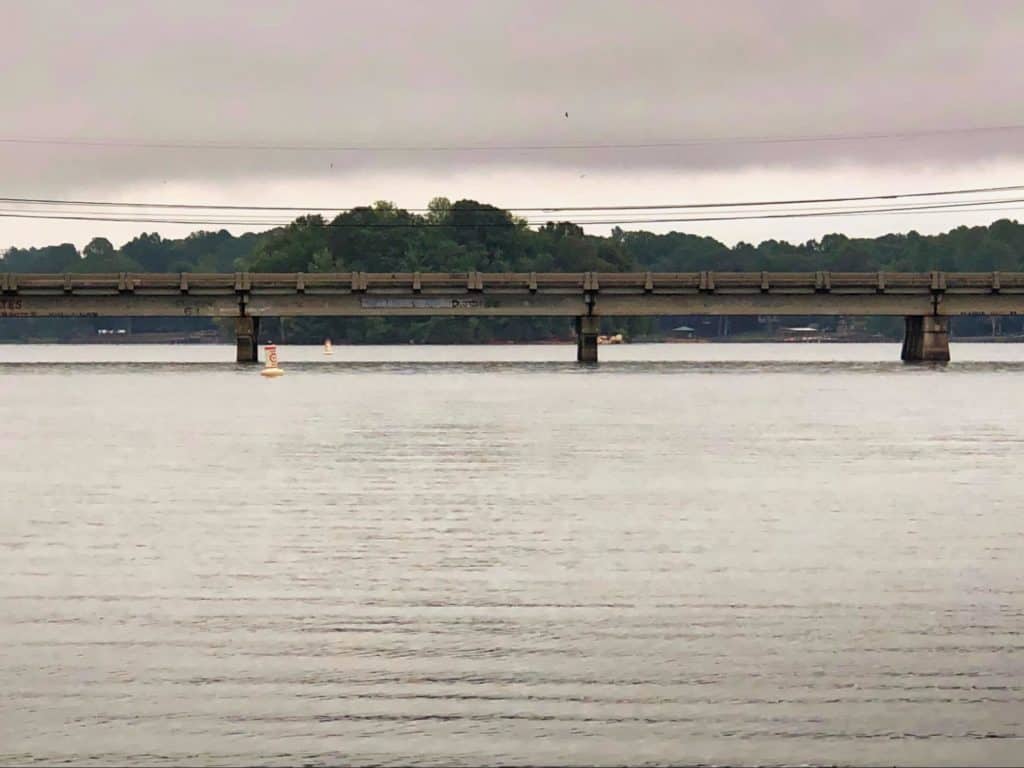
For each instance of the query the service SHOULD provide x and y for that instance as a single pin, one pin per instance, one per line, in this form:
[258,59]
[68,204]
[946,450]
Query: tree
[99,255]
[439,210]
[53,258]
[376,239]
[98,249]
[150,251]
[299,247]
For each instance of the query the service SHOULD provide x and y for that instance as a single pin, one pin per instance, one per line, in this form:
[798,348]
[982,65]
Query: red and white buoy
[271,370]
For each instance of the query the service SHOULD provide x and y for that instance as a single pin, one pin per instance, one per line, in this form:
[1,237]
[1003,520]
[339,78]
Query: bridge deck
[523,293]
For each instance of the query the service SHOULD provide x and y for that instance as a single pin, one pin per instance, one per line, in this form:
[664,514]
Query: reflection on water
[617,368]
[690,553]
[505,353]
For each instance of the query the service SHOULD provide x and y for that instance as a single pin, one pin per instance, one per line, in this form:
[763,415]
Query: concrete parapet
[247,332]
[926,339]
[586,339]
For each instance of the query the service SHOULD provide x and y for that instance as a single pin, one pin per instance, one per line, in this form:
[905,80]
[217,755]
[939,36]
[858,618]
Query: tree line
[469,235]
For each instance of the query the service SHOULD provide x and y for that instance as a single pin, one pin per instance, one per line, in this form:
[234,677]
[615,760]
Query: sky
[540,103]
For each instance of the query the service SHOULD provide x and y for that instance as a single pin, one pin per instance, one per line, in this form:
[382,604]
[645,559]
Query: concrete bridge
[926,299]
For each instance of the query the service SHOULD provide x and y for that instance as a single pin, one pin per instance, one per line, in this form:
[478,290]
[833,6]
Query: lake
[691,553]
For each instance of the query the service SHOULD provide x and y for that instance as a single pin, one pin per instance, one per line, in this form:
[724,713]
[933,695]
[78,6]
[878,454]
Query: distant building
[802,333]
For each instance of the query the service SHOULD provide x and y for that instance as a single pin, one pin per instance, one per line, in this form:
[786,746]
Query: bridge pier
[586,338]
[247,339]
[926,339]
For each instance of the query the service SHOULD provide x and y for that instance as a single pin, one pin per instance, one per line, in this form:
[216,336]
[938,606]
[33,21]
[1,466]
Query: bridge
[926,299]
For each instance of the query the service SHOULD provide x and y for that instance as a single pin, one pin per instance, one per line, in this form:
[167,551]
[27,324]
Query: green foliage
[52,258]
[101,256]
[299,247]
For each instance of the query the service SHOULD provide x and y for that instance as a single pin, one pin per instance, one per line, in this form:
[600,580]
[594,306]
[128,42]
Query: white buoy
[270,370]
[328,347]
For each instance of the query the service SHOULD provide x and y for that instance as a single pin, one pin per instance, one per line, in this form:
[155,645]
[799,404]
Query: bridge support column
[926,339]
[247,338]
[586,339]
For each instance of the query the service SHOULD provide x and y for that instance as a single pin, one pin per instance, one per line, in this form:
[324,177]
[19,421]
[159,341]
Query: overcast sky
[473,81]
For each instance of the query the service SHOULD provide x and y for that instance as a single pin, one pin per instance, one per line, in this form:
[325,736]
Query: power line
[814,214]
[153,216]
[525,209]
[963,206]
[589,218]
[112,143]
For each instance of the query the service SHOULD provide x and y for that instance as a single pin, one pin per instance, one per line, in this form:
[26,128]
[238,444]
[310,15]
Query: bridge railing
[221,284]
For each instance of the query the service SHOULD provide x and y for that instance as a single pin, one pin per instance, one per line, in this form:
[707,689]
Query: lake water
[693,553]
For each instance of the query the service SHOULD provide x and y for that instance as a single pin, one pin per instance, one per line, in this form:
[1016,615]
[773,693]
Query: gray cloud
[470,73]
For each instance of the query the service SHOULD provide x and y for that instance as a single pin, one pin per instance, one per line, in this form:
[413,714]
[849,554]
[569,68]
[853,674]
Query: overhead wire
[117,143]
[518,209]
[963,206]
